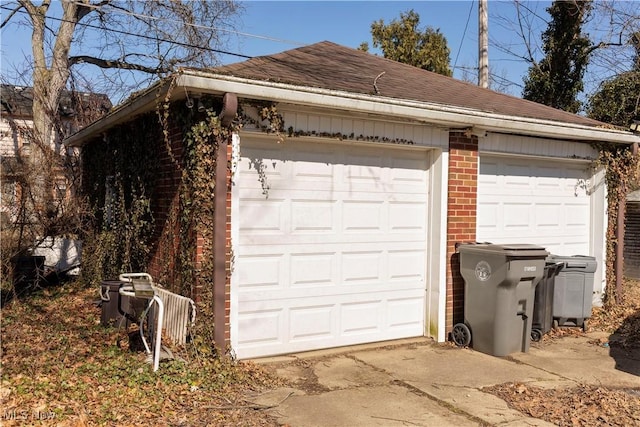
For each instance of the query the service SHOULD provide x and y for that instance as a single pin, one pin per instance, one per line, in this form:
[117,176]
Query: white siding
[356,128]
[529,146]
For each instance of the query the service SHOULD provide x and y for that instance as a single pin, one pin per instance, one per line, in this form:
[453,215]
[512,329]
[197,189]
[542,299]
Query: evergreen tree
[557,79]
[405,42]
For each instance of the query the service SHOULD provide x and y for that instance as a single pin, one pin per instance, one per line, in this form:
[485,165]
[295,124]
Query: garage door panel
[407,216]
[362,266]
[313,269]
[341,256]
[312,322]
[516,215]
[548,216]
[577,215]
[312,215]
[262,326]
[260,271]
[403,312]
[360,215]
[406,264]
[261,217]
[361,317]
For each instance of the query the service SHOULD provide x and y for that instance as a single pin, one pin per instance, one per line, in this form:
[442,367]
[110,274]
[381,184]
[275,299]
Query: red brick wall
[163,265]
[461,216]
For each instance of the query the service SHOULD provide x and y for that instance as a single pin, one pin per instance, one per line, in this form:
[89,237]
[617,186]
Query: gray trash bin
[500,282]
[573,290]
[114,306]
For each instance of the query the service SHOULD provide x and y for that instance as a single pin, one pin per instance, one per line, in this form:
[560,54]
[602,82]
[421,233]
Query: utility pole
[483,44]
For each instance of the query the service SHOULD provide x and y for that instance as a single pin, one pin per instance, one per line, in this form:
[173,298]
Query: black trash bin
[543,301]
[114,306]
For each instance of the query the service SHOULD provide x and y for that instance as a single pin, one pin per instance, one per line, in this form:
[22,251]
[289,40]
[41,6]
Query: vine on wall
[622,173]
[119,181]
[197,209]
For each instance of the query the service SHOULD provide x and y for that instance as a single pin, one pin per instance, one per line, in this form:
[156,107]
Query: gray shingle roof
[327,65]
[17,101]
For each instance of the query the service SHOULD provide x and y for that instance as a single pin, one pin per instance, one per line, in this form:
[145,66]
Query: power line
[144,36]
[464,34]
[202,27]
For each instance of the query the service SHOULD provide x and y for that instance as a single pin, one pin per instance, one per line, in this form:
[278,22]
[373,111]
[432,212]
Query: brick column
[222,248]
[461,216]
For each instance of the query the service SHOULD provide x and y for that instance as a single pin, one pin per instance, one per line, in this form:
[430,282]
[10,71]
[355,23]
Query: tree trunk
[49,81]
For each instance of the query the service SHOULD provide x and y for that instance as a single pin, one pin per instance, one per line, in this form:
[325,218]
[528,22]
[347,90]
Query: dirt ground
[588,405]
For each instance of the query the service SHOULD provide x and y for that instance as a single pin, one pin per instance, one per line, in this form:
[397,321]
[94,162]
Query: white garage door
[331,246]
[541,202]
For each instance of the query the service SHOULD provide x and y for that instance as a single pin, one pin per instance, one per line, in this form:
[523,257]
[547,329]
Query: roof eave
[144,102]
[437,114]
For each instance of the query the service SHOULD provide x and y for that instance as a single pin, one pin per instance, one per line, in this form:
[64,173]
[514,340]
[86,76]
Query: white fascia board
[429,113]
[424,112]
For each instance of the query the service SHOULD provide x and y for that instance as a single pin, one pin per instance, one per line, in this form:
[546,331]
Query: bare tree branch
[115,63]
[84,10]
[8,18]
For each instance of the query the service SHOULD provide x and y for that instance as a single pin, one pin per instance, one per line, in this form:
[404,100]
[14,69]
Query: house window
[60,190]
[8,201]
[8,193]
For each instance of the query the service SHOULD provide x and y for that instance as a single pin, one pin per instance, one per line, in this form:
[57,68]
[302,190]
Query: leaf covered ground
[587,405]
[61,367]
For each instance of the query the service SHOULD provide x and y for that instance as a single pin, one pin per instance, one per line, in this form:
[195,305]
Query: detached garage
[341,188]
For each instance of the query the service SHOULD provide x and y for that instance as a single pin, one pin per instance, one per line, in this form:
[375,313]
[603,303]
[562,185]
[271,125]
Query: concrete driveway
[419,382]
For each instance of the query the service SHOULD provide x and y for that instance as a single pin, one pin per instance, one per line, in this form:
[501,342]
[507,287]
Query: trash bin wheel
[461,335]
[584,325]
[556,325]
[536,335]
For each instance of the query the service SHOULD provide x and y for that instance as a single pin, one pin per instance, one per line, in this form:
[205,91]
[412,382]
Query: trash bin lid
[584,263]
[509,250]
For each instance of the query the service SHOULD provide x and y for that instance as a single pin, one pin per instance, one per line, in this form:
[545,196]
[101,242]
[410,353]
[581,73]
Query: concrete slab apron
[350,393]
[455,376]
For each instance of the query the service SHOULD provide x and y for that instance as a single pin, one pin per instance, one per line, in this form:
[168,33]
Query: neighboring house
[345,232]
[61,255]
[16,122]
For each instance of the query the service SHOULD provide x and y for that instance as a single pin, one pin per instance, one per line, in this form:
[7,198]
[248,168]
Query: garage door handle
[523,314]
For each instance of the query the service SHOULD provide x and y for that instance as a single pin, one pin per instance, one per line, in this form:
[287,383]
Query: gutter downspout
[619,265]
[220,250]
